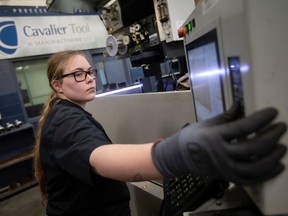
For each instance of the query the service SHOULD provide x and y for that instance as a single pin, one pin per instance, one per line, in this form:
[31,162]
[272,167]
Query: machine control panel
[170,16]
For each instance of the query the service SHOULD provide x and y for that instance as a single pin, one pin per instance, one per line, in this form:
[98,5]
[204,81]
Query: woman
[80,171]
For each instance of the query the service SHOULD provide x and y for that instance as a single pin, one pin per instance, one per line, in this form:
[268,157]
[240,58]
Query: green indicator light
[189,26]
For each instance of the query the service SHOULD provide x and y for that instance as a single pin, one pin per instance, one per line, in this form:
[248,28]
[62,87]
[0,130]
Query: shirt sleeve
[74,138]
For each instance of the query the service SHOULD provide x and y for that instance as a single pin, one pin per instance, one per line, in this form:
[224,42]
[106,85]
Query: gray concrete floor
[26,203]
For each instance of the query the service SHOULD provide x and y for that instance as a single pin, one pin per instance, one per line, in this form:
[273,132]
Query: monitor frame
[207,39]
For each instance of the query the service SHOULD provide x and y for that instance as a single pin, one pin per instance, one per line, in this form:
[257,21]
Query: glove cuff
[167,157]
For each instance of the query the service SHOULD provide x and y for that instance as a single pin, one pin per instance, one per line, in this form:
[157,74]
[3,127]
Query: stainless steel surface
[150,187]
[141,118]
[143,202]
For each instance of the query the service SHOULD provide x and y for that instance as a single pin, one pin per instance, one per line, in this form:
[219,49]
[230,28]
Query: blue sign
[8,37]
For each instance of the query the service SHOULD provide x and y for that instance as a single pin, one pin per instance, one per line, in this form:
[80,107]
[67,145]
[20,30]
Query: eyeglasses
[81,75]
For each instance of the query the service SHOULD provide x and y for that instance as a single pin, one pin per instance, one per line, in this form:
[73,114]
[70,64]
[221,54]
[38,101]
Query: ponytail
[39,174]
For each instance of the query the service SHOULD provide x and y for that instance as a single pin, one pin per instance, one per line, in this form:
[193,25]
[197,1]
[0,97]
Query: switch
[193,23]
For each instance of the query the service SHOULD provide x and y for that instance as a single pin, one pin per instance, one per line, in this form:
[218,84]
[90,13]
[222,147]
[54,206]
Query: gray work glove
[244,151]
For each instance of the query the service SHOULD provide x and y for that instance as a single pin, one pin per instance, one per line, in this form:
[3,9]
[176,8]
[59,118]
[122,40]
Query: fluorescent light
[119,90]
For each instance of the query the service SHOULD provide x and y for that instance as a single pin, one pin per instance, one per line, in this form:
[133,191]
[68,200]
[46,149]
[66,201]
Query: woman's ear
[56,84]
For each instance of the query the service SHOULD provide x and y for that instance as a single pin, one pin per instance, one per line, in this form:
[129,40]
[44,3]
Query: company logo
[8,37]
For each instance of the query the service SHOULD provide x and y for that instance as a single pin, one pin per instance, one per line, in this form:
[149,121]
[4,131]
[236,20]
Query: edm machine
[146,33]
[234,50]
[237,50]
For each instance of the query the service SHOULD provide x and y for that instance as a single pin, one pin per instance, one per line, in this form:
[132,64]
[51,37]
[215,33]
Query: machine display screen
[205,76]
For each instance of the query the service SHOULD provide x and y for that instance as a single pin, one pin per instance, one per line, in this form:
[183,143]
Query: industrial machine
[236,50]
[149,37]
[170,15]
[138,29]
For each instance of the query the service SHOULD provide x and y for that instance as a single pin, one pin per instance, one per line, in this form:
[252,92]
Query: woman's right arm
[124,162]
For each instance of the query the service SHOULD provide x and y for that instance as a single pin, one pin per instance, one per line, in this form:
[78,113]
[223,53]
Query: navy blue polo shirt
[69,136]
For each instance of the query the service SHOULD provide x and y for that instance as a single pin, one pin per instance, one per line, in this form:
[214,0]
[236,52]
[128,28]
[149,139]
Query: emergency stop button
[182,32]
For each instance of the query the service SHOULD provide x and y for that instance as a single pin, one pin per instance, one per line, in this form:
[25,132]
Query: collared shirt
[69,136]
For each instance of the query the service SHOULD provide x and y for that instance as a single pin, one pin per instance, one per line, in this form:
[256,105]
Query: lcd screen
[205,77]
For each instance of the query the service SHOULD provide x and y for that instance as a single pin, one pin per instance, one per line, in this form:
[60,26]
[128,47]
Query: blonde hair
[56,65]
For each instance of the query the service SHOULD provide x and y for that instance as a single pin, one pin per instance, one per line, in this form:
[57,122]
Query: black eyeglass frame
[91,72]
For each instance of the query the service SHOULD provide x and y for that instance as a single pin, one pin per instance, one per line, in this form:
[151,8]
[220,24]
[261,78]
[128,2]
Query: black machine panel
[135,10]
